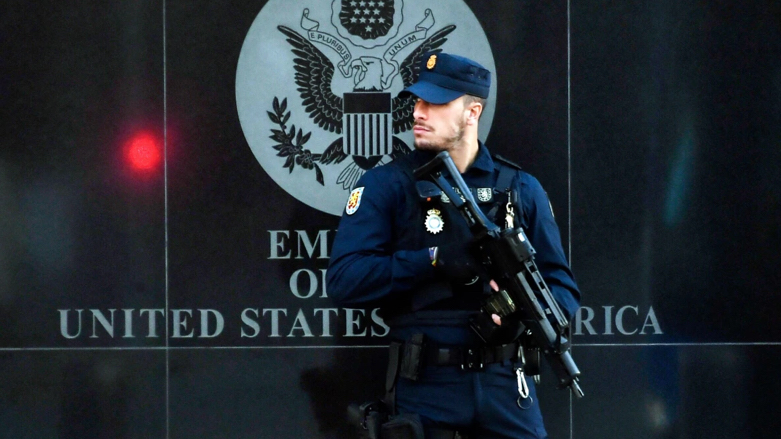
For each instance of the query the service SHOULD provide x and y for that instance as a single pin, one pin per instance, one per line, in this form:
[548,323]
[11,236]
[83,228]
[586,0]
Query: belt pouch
[412,357]
[532,366]
[404,426]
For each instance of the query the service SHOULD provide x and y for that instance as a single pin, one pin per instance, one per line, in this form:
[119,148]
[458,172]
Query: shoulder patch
[354,201]
[503,160]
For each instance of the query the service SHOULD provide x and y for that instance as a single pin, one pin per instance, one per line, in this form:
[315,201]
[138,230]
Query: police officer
[411,256]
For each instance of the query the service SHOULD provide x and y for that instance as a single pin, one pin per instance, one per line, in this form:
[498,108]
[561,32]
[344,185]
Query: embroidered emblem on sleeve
[354,201]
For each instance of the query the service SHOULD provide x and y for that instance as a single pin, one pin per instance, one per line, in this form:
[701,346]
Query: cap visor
[433,93]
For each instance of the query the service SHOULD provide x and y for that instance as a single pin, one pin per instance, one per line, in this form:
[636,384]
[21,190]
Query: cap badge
[432,61]
[434,222]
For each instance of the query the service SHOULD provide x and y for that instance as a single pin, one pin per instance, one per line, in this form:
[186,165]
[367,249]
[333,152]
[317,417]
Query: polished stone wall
[161,277]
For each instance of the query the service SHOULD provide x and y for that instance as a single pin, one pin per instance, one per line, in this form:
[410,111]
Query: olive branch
[290,143]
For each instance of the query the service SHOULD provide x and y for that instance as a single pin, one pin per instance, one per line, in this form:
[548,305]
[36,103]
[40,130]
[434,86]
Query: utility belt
[416,353]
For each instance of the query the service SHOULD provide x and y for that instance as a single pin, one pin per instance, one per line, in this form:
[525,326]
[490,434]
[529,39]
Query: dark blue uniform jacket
[367,266]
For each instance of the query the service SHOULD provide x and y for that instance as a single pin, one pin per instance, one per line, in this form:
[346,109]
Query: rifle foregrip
[566,372]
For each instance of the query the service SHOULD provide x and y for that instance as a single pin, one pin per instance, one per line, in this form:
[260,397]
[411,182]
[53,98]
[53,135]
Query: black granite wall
[160,278]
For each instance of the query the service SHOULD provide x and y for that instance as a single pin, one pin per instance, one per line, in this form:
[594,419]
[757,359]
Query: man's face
[439,127]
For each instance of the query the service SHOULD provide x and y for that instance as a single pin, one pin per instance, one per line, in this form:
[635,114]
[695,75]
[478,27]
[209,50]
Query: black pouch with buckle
[412,357]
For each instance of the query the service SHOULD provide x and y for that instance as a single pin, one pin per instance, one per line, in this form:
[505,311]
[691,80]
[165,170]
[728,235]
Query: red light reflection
[143,151]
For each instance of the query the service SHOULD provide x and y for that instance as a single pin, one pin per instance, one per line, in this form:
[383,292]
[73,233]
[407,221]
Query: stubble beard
[446,144]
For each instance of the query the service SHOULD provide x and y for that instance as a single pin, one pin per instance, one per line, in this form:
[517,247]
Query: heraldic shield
[367,19]
[367,23]
[367,125]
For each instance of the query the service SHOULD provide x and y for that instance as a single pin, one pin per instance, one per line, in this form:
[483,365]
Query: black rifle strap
[504,182]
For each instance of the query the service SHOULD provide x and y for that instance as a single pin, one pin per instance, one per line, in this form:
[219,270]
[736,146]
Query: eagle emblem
[317,85]
[367,118]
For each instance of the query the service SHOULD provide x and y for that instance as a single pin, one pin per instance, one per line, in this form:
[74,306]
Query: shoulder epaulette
[503,160]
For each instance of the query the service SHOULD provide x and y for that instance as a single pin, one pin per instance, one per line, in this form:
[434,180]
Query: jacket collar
[483,161]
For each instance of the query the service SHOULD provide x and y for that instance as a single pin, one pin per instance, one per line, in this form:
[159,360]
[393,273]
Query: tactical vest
[441,302]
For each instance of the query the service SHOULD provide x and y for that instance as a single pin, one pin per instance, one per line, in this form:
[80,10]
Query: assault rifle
[508,258]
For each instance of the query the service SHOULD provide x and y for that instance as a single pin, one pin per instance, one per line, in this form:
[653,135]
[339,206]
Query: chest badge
[484,194]
[434,222]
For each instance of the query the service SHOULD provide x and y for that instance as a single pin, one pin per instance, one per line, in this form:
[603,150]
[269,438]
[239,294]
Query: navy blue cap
[444,77]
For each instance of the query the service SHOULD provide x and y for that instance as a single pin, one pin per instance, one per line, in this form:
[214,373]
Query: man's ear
[475,109]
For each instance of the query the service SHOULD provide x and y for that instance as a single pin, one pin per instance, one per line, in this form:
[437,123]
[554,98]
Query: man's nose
[420,110]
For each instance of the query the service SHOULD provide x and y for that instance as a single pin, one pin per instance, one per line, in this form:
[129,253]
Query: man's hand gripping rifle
[508,259]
